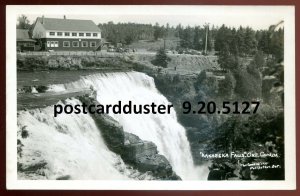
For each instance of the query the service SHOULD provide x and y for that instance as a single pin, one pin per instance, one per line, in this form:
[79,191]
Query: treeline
[243,41]
[195,37]
[127,33]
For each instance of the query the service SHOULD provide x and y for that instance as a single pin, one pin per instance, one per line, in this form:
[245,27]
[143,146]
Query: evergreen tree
[259,60]
[197,37]
[250,41]
[187,38]
[277,45]
[227,60]
[159,32]
[223,39]
[240,39]
[227,86]
[264,41]
[234,44]
[161,58]
[178,31]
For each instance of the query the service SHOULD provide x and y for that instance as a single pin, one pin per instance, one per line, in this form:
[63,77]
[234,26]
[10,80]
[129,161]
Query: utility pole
[207,26]
[165,37]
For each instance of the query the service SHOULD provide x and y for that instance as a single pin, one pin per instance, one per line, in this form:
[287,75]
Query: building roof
[68,24]
[23,35]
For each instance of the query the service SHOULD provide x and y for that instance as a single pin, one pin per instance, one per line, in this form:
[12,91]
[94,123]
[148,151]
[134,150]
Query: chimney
[43,19]
[65,17]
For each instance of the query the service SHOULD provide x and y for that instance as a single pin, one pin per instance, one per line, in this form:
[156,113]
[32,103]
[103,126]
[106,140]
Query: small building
[67,34]
[24,42]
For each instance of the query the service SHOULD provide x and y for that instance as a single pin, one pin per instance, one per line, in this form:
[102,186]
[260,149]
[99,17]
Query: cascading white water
[70,145]
[162,129]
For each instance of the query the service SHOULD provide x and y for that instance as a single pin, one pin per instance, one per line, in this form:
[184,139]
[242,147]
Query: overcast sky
[257,17]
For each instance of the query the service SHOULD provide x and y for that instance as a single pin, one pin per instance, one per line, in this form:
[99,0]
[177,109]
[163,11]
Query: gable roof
[68,24]
[23,35]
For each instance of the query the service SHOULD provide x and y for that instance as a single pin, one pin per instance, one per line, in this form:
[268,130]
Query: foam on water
[70,144]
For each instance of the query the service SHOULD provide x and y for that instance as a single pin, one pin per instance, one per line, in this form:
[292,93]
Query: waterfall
[162,129]
[70,145]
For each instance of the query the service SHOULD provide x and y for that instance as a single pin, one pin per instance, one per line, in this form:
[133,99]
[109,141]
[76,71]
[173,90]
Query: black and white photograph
[150,97]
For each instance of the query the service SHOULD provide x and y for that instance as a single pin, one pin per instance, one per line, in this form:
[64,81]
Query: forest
[242,42]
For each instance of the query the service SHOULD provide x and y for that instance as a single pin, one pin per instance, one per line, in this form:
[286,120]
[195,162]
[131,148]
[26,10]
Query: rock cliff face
[199,128]
[140,154]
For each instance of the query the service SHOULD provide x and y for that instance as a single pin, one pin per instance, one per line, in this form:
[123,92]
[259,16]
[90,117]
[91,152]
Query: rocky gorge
[210,133]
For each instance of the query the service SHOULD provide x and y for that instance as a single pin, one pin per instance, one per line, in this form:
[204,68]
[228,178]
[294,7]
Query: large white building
[66,34]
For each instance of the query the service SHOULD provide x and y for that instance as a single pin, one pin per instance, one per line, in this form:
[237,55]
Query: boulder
[216,174]
[136,148]
[144,156]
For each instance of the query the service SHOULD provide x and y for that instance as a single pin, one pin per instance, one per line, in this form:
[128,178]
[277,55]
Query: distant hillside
[148,45]
[184,63]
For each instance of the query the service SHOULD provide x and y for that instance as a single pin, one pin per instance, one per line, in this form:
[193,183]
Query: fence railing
[100,54]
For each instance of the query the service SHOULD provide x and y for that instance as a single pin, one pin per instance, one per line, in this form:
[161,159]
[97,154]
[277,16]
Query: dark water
[45,78]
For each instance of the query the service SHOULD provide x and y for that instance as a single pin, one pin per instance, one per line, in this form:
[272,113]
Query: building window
[54,44]
[92,44]
[84,44]
[75,44]
[74,34]
[48,43]
[52,33]
[95,34]
[81,34]
[67,34]
[88,34]
[66,44]
[59,34]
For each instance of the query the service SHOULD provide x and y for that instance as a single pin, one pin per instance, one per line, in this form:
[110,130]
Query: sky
[257,17]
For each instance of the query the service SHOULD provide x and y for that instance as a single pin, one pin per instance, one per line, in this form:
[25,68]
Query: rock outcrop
[140,154]
[111,131]
[144,156]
